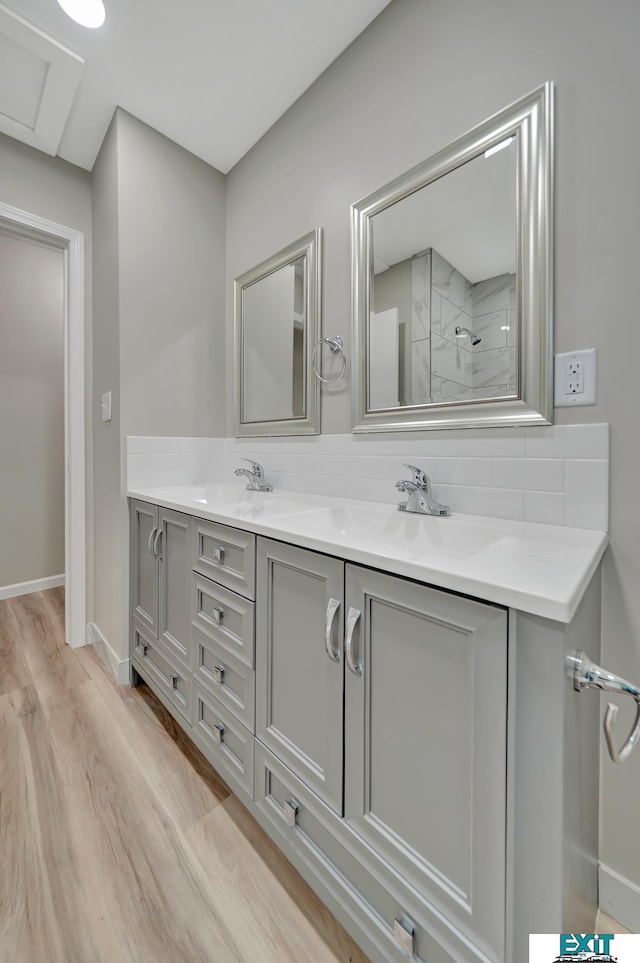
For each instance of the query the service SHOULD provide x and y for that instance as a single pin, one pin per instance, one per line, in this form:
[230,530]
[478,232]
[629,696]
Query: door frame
[71,243]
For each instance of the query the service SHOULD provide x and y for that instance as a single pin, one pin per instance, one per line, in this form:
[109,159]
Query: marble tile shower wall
[494,320]
[451,306]
[557,475]
[421,329]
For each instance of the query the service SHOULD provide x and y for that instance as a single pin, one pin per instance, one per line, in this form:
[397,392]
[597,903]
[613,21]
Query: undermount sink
[235,500]
[410,533]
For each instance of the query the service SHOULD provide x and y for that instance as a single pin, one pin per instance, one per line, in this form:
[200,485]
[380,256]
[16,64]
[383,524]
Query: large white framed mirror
[452,282]
[277,307]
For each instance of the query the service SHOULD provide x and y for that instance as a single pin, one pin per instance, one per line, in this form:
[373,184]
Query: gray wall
[108,536]
[171,252]
[159,343]
[31,410]
[346,136]
[60,192]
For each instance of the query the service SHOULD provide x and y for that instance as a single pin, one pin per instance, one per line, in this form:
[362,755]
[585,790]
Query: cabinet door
[144,565]
[299,664]
[174,622]
[425,743]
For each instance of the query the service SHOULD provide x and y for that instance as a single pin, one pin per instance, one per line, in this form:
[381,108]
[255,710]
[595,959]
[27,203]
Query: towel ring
[336,343]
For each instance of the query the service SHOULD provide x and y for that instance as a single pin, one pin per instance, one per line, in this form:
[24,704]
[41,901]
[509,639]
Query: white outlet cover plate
[587,397]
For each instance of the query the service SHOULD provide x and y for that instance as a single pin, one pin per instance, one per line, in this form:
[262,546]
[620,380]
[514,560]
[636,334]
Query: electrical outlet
[575,378]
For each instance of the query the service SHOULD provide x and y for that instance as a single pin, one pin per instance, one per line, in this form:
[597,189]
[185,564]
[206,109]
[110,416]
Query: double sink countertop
[540,569]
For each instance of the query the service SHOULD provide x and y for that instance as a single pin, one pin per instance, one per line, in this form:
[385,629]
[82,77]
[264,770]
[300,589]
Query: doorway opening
[70,243]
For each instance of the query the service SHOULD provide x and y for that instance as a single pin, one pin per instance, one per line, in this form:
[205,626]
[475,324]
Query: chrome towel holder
[587,675]
[336,344]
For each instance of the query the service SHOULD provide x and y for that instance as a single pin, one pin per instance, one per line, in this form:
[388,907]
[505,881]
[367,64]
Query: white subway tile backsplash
[494,502]
[530,474]
[569,441]
[587,494]
[546,507]
[556,475]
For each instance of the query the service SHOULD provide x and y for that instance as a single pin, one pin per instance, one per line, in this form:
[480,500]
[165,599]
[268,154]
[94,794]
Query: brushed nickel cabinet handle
[218,674]
[173,679]
[154,531]
[405,933]
[142,647]
[217,615]
[352,620]
[290,810]
[156,543]
[218,733]
[218,555]
[332,608]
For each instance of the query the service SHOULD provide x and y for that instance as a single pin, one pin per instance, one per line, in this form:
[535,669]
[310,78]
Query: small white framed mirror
[277,310]
[452,282]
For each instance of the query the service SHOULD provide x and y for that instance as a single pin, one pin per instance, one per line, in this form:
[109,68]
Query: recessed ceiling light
[492,150]
[88,13]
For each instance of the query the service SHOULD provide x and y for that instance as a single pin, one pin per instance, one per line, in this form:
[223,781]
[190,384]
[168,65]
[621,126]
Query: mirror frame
[309,247]
[531,119]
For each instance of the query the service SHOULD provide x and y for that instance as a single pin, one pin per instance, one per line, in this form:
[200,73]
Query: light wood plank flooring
[118,841]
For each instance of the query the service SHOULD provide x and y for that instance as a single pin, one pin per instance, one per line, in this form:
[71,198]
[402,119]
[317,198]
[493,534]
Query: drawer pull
[218,674]
[217,732]
[217,615]
[142,647]
[332,608]
[352,621]
[218,555]
[290,809]
[173,679]
[405,933]
[154,531]
[156,543]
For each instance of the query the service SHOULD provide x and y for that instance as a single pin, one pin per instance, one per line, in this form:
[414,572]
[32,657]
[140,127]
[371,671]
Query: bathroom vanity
[387,695]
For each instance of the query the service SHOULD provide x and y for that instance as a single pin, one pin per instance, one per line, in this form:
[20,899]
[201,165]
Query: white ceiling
[212,75]
[469,217]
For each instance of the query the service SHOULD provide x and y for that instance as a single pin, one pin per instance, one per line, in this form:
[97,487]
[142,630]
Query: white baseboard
[26,588]
[619,898]
[119,668]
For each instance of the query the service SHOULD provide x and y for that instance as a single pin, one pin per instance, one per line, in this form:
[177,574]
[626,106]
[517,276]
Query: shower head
[465,333]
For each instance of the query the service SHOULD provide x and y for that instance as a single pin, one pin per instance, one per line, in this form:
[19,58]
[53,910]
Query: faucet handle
[258,470]
[420,478]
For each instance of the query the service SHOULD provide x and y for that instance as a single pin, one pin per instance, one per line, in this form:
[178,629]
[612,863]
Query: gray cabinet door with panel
[299,664]
[425,743]
[174,620]
[144,565]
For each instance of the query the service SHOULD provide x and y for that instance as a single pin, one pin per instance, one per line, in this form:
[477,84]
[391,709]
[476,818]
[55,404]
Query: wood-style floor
[118,841]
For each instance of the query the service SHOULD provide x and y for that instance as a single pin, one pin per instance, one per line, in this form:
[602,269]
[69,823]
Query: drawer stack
[223,648]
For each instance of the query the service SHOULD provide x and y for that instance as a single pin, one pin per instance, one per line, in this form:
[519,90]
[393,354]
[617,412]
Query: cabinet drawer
[168,675]
[224,617]
[224,554]
[224,741]
[225,677]
[386,909]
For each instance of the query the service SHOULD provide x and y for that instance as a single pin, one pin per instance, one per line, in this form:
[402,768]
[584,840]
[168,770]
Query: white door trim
[71,242]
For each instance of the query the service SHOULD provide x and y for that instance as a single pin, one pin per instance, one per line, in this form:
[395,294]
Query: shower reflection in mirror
[443,293]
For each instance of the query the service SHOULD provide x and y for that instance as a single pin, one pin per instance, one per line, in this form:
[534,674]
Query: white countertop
[541,569]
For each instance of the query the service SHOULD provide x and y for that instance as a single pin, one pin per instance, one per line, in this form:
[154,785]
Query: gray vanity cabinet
[425,744]
[161,577]
[299,664]
[144,565]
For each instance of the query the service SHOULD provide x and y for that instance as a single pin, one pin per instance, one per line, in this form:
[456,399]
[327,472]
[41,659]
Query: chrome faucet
[256,478]
[420,500]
